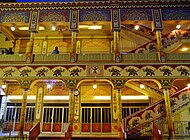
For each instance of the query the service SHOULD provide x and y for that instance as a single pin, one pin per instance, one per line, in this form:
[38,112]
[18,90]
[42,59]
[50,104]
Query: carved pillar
[25,85]
[116,104]
[74,105]
[71,106]
[74,41]
[33,28]
[29,48]
[39,103]
[116,27]
[166,84]
[158,27]
[159,40]
[74,19]
[77,106]
[116,41]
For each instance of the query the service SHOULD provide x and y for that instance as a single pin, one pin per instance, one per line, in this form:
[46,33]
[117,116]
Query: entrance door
[96,119]
[54,119]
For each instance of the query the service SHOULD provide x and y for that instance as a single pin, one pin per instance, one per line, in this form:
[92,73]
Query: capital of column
[166,83]
[72,84]
[25,84]
[118,83]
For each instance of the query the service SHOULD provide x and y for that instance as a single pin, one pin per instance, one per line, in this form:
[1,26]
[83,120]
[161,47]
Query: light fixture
[18,97]
[41,28]
[83,26]
[137,97]
[142,86]
[94,86]
[53,28]
[13,28]
[137,27]
[184,49]
[24,28]
[91,27]
[49,86]
[3,86]
[95,27]
[102,97]
[178,26]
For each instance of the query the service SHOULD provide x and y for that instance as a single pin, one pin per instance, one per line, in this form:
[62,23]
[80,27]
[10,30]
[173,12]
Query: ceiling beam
[144,91]
[7,33]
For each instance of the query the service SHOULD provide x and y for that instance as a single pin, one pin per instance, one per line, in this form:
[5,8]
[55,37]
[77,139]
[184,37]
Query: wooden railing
[100,58]
[170,41]
[24,137]
[35,131]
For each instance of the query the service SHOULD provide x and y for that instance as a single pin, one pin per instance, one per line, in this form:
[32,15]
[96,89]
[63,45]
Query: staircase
[170,42]
[142,122]
[143,31]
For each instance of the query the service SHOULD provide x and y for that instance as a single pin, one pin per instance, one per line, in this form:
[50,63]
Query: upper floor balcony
[98,58]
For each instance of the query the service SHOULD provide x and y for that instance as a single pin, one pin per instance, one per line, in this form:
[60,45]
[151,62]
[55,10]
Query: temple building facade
[95,69]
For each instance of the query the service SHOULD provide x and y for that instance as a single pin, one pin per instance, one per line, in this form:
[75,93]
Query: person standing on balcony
[2,52]
[56,51]
[10,51]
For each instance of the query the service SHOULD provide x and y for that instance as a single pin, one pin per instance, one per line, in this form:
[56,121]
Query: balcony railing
[95,58]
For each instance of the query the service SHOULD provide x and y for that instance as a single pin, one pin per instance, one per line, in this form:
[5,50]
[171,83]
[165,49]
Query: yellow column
[116,109]
[23,113]
[25,85]
[73,51]
[29,48]
[159,40]
[166,84]
[71,106]
[30,44]
[168,113]
[39,103]
[73,41]
[116,41]
[76,121]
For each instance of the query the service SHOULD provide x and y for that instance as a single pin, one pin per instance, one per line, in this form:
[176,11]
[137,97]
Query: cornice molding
[94,5]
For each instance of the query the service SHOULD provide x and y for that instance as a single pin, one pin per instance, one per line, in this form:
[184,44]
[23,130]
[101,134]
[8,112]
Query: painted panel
[176,14]
[135,14]
[54,16]
[94,15]
[14,16]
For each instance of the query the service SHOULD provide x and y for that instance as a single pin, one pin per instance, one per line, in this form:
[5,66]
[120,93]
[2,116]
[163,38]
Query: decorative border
[94,5]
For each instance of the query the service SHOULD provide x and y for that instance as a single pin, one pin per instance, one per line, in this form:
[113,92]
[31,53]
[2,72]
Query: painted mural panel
[121,71]
[135,14]
[54,16]
[176,14]
[94,15]
[14,16]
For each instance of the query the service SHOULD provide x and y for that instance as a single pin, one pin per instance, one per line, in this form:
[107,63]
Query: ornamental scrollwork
[75,72]
[115,72]
[132,72]
[25,84]
[25,72]
[166,83]
[166,71]
[149,71]
[41,72]
[118,83]
[58,72]
[8,72]
[183,71]
[71,84]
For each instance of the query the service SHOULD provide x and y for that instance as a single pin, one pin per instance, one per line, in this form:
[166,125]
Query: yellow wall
[3,43]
